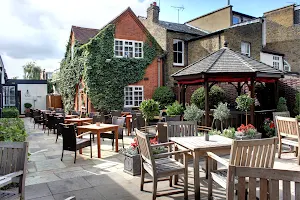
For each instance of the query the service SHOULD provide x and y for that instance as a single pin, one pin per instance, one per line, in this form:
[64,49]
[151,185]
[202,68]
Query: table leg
[116,139]
[79,131]
[196,175]
[98,144]
[128,125]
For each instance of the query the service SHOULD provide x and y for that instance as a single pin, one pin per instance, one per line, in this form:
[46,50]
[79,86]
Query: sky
[38,30]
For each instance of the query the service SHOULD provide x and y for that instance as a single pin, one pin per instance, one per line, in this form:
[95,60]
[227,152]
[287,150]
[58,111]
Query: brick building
[130,35]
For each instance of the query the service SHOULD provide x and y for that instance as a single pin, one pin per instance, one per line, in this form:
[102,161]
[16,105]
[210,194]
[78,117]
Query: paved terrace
[50,178]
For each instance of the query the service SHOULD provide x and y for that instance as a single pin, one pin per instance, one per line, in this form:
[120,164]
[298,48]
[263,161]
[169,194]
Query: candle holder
[98,123]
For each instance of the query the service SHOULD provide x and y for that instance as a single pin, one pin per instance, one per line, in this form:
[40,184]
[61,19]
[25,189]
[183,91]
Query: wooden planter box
[257,136]
[132,164]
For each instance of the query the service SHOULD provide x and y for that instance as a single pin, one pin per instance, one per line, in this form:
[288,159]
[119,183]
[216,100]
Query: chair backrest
[287,126]
[98,118]
[116,113]
[253,153]
[274,184]
[145,148]
[282,114]
[69,136]
[134,121]
[92,114]
[13,157]
[119,121]
[181,128]
[59,119]
[140,120]
[51,121]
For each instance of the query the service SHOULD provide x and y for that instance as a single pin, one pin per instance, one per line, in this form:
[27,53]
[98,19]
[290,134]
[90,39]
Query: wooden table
[79,121]
[198,146]
[71,116]
[98,130]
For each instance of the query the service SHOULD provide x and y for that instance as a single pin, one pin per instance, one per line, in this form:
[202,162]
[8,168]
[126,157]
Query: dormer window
[297,15]
[236,20]
[128,48]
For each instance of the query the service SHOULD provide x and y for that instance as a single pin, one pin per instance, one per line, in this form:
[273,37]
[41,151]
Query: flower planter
[173,118]
[247,137]
[132,164]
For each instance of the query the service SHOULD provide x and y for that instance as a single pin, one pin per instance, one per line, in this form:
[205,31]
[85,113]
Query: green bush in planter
[12,112]
[175,109]
[164,96]
[215,95]
[193,113]
[12,130]
[281,106]
[221,113]
[27,105]
[149,108]
[243,103]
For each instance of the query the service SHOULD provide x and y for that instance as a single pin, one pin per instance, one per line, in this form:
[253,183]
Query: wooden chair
[160,165]
[281,114]
[13,163]
[268,181]
[71,142]
[289,128]
[249,153]
[181,128]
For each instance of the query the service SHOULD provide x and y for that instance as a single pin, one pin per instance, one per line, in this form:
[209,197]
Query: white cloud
[38,30]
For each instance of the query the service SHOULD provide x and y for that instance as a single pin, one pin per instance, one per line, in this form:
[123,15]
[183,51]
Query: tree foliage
[32,71]
[193,113]
[175,109]
[149,108]
[164,95]
[281,106]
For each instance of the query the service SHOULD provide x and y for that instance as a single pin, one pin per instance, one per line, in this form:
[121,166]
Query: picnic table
[199,147]
[98,130]
[79,121]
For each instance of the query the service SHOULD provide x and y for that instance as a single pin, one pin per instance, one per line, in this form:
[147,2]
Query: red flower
[272,124]
[244,128]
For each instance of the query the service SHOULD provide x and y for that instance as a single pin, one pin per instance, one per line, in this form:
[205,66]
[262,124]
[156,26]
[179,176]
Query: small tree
[243,103]
[149,108]
[281,106]
[193,113]
[215,95]
[221,113]
[164,96]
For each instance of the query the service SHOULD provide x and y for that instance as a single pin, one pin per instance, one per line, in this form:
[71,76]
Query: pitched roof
[270,51]
[183,28]
[226,60]
[83,35]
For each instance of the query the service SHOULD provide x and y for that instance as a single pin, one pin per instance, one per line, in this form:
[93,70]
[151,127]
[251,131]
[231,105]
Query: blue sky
[195,8]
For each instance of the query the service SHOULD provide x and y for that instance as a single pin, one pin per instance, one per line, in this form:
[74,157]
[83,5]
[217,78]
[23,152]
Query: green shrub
[27,105]
[175,109]
[221,113]
[215,95]
[281,106]
[12,130]
[297,103]
[149,108]
[12,112]
[193,113]
[229,132]
[164,96]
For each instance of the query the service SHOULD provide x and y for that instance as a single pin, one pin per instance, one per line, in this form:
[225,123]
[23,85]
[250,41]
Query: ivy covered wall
[104,81]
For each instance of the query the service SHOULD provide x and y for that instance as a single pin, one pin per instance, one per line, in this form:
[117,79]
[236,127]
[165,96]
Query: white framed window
[276,62]
[246,48]
[178,52]
[286,66]
[9,96]
[133,96]
[128,48]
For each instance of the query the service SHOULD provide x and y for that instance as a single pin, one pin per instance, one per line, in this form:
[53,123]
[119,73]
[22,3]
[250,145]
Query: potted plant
[174,111]
[247,132]
[269,127]
[281,106]
[27,109]
[221,113]
[132,160]
[193,113]
[149,109]
[229,132]
[243,103]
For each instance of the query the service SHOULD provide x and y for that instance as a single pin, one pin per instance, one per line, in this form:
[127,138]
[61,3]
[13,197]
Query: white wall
[268,59]
[36,92]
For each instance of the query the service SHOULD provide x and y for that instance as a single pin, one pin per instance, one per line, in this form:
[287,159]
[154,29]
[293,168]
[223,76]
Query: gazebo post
[252,87]
[206,91]
[183,91]
[239,88]
[179,93]
[276,92]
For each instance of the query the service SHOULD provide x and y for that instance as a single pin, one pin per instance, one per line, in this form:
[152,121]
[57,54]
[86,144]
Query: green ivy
[104,81]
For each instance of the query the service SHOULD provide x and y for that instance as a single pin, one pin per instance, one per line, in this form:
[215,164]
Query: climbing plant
[105,76]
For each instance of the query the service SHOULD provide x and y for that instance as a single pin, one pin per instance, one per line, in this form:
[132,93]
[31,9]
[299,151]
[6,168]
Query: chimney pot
[153,13]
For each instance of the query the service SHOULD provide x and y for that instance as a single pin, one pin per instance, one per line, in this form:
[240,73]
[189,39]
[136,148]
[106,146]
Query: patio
[48,178]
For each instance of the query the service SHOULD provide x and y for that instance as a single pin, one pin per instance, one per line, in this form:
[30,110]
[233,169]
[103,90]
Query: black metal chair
[71,142]
[37,118]
[58,120]
[140,121]
[51,123]
[109,135]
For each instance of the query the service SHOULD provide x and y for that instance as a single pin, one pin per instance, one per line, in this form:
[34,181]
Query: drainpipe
[158,71]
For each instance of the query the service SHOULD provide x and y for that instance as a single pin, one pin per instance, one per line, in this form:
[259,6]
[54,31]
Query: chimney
[153,13]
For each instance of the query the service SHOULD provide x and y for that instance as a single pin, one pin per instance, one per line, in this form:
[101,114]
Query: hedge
[12,130]
[12,112]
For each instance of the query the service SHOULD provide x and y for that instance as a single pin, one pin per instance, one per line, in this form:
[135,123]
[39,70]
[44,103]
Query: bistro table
[70,116]
[79,121]
[98,130]
[198,146]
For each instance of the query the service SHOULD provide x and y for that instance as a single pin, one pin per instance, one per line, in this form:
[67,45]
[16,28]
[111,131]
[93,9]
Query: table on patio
[70,116]
[98,130]
[217,144]
[79,121]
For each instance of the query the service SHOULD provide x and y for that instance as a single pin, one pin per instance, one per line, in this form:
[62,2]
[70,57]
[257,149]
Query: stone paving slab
[66,185]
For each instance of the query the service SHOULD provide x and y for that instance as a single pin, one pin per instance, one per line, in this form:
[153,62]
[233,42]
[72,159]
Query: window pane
[179,57]
[180,46]
[175,57]
[175,46]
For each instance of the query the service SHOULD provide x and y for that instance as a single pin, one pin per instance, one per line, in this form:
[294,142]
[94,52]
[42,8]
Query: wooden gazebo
[226,65]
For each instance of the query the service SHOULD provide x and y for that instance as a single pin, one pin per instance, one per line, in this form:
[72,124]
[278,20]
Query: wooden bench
[13,162]
[269,181]
[289,128]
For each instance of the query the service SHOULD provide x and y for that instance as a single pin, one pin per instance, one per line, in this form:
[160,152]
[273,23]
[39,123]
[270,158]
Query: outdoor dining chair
[50,122]
[160,165]
[71,142]
[37,118]
[247,153]
[109,135]
[58,120]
